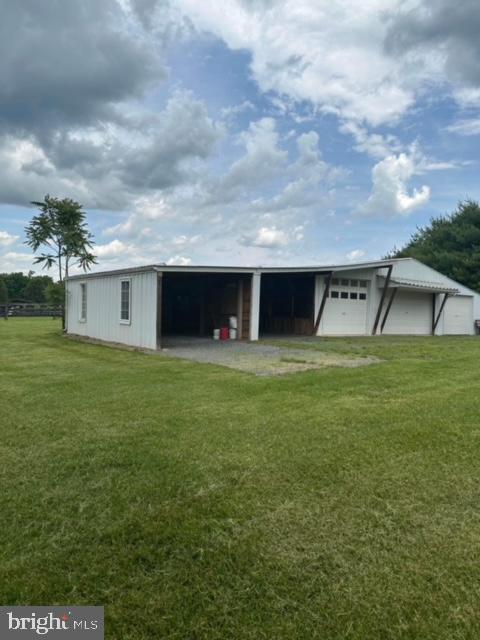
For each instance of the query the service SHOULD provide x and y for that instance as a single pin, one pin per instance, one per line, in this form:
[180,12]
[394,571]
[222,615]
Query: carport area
[287,304]
[194,304]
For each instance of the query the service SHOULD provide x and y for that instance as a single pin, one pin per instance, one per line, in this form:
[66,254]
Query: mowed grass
[197,502]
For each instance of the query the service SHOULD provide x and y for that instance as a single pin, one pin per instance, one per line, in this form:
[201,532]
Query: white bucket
[233,334]
[233,322]
[216,334]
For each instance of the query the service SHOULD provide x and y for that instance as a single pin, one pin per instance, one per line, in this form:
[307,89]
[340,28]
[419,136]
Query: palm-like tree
[60,227]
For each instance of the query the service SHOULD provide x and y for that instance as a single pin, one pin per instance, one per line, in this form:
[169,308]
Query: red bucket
[224,333]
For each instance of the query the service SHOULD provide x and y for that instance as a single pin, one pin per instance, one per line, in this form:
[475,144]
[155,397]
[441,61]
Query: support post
[389,306]
[255,306]
[440,311]
[382,299]
[159,309]
[326,291]
[434,300]
[240,308]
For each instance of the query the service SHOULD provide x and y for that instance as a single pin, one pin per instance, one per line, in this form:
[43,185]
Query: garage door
[458,316]
[345,312]
[411,314]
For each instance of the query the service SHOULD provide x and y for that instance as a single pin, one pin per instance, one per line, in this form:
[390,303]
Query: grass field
[197,502]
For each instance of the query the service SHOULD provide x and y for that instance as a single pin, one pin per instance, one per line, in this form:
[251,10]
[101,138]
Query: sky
[241,132]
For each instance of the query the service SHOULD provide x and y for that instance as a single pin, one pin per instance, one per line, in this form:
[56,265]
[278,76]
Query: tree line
[28,288]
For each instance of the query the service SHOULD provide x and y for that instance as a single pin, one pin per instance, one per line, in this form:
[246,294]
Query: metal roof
[240,269]
[423,285]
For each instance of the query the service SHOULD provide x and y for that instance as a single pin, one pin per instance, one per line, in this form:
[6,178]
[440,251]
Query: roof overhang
[418,285]
[167,268]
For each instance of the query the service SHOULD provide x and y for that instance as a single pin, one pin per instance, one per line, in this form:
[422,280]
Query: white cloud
[263,160]
[266,237]
[147,210]
[374,144]
[468,97]
[181,261]
[6,239]
[390,196]
[466,127]
[183,240]
[356,254]
[16,261]
[325,53]
[112,249]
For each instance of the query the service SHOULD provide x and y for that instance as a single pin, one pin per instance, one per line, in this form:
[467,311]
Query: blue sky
[242,132]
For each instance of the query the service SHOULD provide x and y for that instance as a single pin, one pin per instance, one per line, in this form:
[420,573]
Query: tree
[55,293]
[16,283]
[60,227]
[450,244]
[34,290]
[4,297]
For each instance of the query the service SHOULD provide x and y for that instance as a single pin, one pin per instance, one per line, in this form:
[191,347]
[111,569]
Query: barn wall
[103,309]
[345,328]
[410,268]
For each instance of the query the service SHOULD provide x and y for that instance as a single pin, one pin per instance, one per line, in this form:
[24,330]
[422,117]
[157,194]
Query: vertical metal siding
[103,309]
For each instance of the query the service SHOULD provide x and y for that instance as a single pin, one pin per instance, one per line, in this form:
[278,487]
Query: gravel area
[257,358]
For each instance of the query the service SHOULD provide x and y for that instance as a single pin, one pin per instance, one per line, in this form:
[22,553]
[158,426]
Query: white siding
[410,314]
[458,316]
[410,268]
[103,309]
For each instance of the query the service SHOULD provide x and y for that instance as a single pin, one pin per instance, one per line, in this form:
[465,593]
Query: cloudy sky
[238,132]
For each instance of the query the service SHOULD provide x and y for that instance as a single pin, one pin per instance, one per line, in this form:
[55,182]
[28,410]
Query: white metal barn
[142,305]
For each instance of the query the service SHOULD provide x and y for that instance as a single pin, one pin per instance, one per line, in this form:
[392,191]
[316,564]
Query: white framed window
[83,302]
[125,301]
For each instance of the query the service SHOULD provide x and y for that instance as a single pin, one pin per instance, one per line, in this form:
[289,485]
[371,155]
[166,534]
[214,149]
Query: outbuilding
[141,306]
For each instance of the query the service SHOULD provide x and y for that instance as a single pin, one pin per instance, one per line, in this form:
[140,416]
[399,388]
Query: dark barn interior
[287,303]
[194,304]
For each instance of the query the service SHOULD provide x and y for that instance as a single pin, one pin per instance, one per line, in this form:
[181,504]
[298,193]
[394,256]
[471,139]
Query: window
[344,283]
[362,283]
[353,296]
[83,302]
[362,296]
[334,294]
[354,283]
[335,282]
[344,295]
[125,301]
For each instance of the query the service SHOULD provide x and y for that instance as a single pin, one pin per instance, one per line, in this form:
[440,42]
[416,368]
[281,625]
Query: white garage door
[411,314]
[458,316]
[345,312]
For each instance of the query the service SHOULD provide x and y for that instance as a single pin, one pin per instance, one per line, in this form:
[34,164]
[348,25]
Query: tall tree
[34,290]
[61,229]
[4,297]
[450,244]
[55,293]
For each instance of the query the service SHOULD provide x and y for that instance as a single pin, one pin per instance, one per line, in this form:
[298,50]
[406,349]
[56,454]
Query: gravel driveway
[256,357]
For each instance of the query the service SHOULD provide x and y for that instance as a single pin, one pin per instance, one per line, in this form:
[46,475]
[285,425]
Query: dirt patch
[260,359]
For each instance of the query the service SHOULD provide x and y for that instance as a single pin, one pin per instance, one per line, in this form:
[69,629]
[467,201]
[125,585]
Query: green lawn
[197,502]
